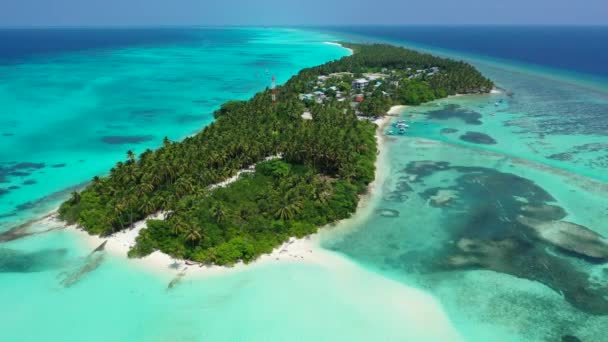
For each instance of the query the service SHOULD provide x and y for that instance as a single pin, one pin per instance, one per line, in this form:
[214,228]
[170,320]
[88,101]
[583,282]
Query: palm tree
[200,192]
[118,208]
[193,235]
[130,174]
[218,212]
[131,156]
[75,197]
[166,142]
[143,189]
[155,178]
[165,201]
[167,170]
[288,209]
[179,226]
[146,154]
[148,206]
[130,201]
[96,180]
[183,186]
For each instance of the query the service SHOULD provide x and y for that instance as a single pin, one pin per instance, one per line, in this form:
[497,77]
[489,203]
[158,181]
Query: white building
[306,97]
[360,83]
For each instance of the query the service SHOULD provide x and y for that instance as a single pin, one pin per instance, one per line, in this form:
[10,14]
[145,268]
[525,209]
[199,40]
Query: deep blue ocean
[579,49]
[21,44]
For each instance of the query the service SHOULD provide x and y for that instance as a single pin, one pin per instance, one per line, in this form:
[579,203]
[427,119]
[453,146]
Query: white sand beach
[295,250]
[410,304]
[394,111]
[340,45]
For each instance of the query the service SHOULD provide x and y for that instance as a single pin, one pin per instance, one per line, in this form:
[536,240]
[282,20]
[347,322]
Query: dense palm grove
[323,165]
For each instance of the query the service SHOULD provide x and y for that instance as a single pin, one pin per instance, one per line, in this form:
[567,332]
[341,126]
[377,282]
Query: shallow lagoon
[459,235]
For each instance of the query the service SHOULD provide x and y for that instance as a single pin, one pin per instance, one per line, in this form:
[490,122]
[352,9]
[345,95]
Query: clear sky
[299,12]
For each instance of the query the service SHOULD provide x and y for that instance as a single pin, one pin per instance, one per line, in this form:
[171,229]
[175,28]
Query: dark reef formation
[453,111]
[401,191]
[24,230]
[579,153]
[185,118]
[13,261]
[9,170]
[502,222]
[90,264]
[126,139]
[448,130]
[478,138]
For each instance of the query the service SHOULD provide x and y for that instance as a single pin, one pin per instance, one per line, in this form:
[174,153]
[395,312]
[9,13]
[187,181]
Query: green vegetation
[406,77]
[324,164]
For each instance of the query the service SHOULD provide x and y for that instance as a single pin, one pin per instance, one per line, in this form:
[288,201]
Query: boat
[402,130]
[400,123]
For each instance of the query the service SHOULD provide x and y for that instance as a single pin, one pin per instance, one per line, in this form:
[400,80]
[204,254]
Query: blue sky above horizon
[299,12]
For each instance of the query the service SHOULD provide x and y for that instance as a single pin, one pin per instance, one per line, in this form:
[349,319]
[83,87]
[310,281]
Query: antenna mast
[274,89]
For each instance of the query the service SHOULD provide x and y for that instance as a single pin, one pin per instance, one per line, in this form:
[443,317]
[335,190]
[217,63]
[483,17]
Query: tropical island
[300,156]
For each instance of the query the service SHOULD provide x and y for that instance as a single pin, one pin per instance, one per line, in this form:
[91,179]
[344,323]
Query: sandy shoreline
[394,111]
[340,45]
[295,250]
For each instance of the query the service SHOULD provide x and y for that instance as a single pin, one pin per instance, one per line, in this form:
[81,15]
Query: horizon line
[142,26]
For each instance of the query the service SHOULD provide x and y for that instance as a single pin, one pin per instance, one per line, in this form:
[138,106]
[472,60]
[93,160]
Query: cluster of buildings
[333,85]
[320,95]
[424,72]
[355,93]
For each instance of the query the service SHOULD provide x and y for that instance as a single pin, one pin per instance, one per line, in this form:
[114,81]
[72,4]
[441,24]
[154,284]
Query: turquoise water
[387,278]
[66,117]
[459,197]
[61,108]
[120,302]
[69,116]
